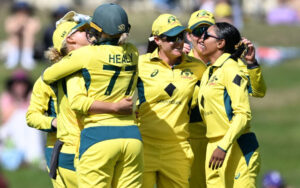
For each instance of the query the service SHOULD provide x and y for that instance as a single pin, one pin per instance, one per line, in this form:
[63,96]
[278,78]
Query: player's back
[110,76]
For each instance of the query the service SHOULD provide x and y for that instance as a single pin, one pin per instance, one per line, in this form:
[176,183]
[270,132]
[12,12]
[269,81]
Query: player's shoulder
[40,86]
[193,62]
[146,58]
[38,82]
[129,45]
[231,68]
[231,64]
[85,52]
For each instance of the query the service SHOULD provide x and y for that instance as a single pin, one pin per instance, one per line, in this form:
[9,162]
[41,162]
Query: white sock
[12,57]
[27,60]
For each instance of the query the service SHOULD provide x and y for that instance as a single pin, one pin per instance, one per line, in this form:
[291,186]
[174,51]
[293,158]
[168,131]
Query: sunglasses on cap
[176,38]
[206,35]
[198,32]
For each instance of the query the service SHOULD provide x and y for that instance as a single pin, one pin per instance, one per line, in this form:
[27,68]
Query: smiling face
[210,44]
[195,37]
[170,46]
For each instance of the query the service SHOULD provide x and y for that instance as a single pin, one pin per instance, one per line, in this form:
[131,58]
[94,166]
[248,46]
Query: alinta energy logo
[154,73]
[186,73]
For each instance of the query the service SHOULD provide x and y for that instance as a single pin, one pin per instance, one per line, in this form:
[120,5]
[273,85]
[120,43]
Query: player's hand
[124,106]
[186,48]
[217,159]
[250,55]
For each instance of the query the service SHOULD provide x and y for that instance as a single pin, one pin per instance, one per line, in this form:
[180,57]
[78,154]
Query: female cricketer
[167,78]
[68,36]
[198,23]
[41,115]
[232,156]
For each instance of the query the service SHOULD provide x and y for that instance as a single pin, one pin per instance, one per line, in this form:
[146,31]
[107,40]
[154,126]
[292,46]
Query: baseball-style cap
[201,17]
[168,25]
[66,26]
[111,19]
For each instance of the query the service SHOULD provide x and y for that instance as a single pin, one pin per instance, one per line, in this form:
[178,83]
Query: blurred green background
[276,117]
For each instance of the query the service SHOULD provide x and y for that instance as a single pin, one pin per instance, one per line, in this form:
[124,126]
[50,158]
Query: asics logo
[237,176]
[154,73]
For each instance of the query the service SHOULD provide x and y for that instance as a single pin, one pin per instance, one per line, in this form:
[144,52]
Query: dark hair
[151,45]
[232,38]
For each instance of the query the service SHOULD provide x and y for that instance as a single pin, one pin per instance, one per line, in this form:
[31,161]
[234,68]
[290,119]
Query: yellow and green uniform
[68,132]
[197,140]
[256,86]
[165,95]
[197,129]
[110,151]
[41,112]
[224,106]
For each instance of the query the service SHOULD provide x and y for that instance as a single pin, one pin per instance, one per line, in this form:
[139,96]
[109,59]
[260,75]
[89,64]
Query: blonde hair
[123,38]
[54,55]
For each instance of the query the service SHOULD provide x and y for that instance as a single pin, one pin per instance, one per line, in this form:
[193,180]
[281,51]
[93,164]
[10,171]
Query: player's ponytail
[96,37]
[123,38]
[232,38]
[54,55]
[239,49]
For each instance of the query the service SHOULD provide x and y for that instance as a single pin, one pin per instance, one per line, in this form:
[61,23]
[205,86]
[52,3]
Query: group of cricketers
[177,116]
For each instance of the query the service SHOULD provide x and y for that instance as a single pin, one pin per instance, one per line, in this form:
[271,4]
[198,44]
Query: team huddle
[177,116]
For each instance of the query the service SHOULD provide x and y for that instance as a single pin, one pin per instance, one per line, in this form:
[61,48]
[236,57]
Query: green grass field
[276,118]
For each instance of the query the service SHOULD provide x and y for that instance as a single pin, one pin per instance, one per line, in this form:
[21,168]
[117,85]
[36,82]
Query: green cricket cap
[111,19]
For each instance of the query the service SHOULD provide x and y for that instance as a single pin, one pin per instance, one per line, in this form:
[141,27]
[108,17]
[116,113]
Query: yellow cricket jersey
[68,125]
[256,86]
[196,127]
[223,101]
[109,72]
[165,95]
[42,110]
